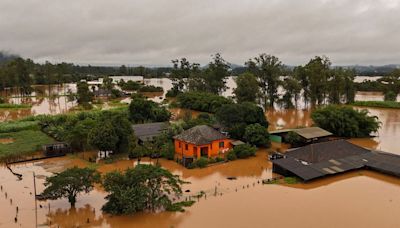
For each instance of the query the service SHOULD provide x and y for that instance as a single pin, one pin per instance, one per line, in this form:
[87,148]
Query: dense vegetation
[242,151]
[151,88]
[345,121]
[236,117]
[256,135]
[378,104]
[201,101]
[143,188]
[142,110]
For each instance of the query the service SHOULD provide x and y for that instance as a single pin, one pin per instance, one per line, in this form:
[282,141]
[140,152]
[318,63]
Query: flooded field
[356,199]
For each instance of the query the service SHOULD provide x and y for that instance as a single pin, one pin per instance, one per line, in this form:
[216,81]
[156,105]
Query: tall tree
[267,68]
[70,183]
[318,72]
[247,88]
[181,72]
[292,89]
[215,75]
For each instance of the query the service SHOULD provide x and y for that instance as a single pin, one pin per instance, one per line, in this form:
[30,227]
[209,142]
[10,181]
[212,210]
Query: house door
[204,151]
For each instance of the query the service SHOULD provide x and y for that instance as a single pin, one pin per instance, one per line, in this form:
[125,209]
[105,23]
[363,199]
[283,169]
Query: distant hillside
[4,57]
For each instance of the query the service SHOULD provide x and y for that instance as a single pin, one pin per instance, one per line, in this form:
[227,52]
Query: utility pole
[34,190]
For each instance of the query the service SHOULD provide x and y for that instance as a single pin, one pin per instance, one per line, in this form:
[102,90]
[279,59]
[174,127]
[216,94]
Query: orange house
[200,141]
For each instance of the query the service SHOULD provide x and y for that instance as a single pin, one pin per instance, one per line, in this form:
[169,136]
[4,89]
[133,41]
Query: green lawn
[378,104]
[14,106]
[25,142]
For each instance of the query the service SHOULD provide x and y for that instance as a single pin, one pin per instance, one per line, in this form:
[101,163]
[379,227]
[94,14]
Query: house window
[179,144]
[186,147]
[221,145]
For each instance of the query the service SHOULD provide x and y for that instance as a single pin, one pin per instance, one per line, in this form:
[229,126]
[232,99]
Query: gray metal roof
[379,161]
[200,135]
[325,151]
[148,131]
[312,132]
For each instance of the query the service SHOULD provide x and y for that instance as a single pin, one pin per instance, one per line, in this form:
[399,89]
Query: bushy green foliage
[202,162]
[201,119]
[247,89]
[173,92]
[231,156]
[237,116]
[84,96]
[200,101]
[142,110]
[145,187]
[130,85]
[293,138]
[378,104]
[243,151]
[390,96]
[151,88]
[25,143]
[344,121]
[368,85]
[70,183]
[18,125]
[103,137]
[257,135]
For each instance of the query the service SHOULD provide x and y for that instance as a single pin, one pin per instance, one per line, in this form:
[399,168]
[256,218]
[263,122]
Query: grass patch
[14,126]
[378,104]
[25,142]
[291,180]
[180,206]
[14,106]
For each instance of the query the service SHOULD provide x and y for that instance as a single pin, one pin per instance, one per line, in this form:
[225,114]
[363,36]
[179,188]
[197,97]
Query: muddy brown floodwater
[355,199]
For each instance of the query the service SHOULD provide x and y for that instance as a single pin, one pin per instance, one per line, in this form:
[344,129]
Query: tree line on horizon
[317,81]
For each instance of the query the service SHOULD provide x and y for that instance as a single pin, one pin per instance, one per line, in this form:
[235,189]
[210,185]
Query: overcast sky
[152,32]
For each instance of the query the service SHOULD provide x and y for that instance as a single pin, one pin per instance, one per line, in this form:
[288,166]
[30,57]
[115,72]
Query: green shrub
[218,159]
[231,156]
[200,101]
[201,162]
[14,126]
[151,88]
[344,121]
[378,104]
[14,106]
[130,85]
[244,151]
[257,135]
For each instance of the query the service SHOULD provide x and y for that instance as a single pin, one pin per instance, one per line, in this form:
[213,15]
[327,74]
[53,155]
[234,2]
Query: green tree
[235,117]
[181,73]
[103,137]
[318,73]
[215,75]
[84,96]
[257,135]
[247,88]
[267,68]
[145,187]
[70,183]
[292,89]
[344,121]
[107,83]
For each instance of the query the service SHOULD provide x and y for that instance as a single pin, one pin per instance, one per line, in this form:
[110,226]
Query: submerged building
[200,141]
[333,157]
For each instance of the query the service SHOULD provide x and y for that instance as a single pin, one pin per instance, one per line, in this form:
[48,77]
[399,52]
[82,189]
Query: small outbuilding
[200,141]
[307,135]
[148,131]
[56,149]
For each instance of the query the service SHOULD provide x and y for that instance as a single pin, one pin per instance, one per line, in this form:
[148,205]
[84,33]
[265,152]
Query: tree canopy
[143,188]
[70,183]
[247,88]
[345,121]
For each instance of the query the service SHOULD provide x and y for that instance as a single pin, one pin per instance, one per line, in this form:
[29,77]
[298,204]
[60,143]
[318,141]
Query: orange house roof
[200,135]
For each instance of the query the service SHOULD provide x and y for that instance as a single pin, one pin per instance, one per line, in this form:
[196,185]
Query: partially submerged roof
[148,131]
[312,132]
[325,151]
[337,162]
[200,135]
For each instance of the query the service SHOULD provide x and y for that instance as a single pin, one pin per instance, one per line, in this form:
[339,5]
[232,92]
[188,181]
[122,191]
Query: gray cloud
[156,31]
